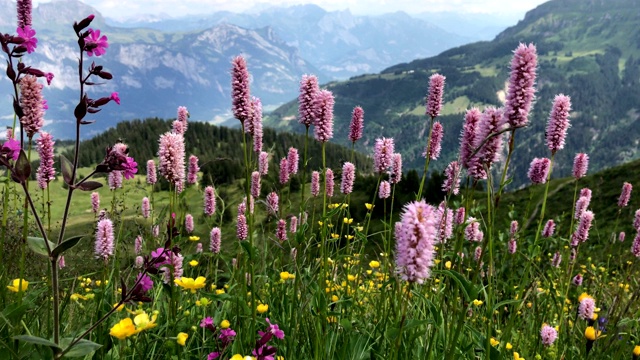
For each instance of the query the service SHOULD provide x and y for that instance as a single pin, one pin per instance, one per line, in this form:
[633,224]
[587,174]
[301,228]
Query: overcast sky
[120,9]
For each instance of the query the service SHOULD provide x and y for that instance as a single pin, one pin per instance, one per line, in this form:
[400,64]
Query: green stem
[426,162]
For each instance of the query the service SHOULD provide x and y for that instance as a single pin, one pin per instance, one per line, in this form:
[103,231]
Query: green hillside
[587,50]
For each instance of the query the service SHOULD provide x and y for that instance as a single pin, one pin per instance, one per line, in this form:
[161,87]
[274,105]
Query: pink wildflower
[114,97]
[636,220]
[272,203]
[435,144]
[348,177]
[255,184]
[292,160]
[548,335]
[306,107]
[468,136]
[521,85]
[281,230]
[183,117]
[171,155]
[487,141]
[452,181]
[323,104]
[580,165]
[460,216]
[539,170]
[31,104]
[513,229]
[209,201]
[383,153]
[24,9]
[284,171]
[396,168]
[581,206]
[558,123]
[242,231]
[263,163]
[192,176]
[95,44]
[104,239]
[151,172]
[241,101]
[385,190]
[146,207]
[415,236]
[138,245]
[621,236]
[625,195]
[188,223]
[46,173]
[635,247]
[329,182]
[29,36]
[215,240]
[436,91]
[548,229]
[256,120]
[357,124]
[315,183]
[472,232]
[95,202]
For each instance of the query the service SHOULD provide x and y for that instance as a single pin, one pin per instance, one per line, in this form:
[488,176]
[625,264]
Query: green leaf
[346,324]
[469,291]
[82,348]
[38,246]
[66,245]
[89,185]
[248,249]
[506,302]
[67,169]
[21,169]
[36,340]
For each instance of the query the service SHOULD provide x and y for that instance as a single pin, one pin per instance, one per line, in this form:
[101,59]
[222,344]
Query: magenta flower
[256,119]
[548,335]
[188,223]
[146,207]
[472,232]
[130,168]
[255,184]
[29,36]
[348,177]
[145,283]
[24,9]
[625,195]
[31,104]
[357,124]
[435,144]
[586,192]
[241,101]
[115,97]
[104,239]
[95,44]
[586,308]
[329,182]
[207,323]
[558,123]
[548,229]
[539,170]
[581,206]
[577,280]
[385,190]
[306,107]
[489,152]
[635,247]
[415,235]
[11,148]
[556,260]
[521,85]
[46,172]
[444,221]
[468,136]
[171,156]
[315,183]
[512,246]
[281,230]
[383,153]
[621,236]
[175,269]
[137,247]
[460,216]
[582,232]
[396,168]
[209,201]
[183,117]
[49,76]
[272,203]
[293,224]
[477,254]
[242,231]
[95,202]
[452,182]
[580,165]
[292,160]
[323,105]
[115,180]
[436,91]
[215,240]
[263,163]
[151,172]
[192,176]
[284,171]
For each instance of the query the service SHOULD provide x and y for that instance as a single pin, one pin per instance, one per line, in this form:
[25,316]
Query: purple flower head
[586,192]
[444,221]
[581,206]
[272,203]
[183,117]
[415,235]
[177,127]
[24,9]
[293,224]
[582,232]
[95,202]
[586,308]
[175,270]
[192,176]
[315,183]
[215,240]
[256,120]
[548,335]
[284,171]
[241,100]
[385,190]
[281,230]
[104,239]
[207,323]
[323,104]
[209,201]
[138,245]
[357,124]
[45,105]
[539,170]
[255,184]
[171,156]
[213,356]
[472,232]
[477,254]
[275,330]
[521,85]
[580,165]
[292,160]
[46,172]
[452,181]
[436,91]
[435,144]
[625,195]
[460,216]
[621,236]
[115,97]
[636,220]
[383,153]
[263,163]
[468,136]
[29,36]
[145,283]
[635,247]
[489,152]
[95,44]
[49,76]
[31,104]
[348,177]
[512,246]
[115,180]
[556,260]
[306,107]
[227,336]
[558,123]
[188,223]
[396,168]
[513,229]
[329,182]
[11,148]
[242,231]
[146,207]
[577,280]
[151,172]
[549,229]
[130,168]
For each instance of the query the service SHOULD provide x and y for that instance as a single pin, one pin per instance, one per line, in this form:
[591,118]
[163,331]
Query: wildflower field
[310,273]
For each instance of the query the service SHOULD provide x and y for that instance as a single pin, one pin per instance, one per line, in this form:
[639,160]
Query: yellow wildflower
[143,322]
[477,302]
[225,324]
[76,297]
[16,286]
[219,291]
[284,276]
[119,307]
[636,350]
[591,334]
[193,263]
[374,264]
[583,296]
[335,298]
[262,308]
[191,284]
[508,346]
[194,238]
[368,206]
[347,220]
[181,339]
[123,329]
[335,236]
[359,228]
[237,357]
[98,282]
[494,342]
[516,356]
[349,237]
[447,264]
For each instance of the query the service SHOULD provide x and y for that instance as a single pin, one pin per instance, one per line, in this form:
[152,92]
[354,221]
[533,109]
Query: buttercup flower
[17,286]
[191,284]
[181,339]
[123,329]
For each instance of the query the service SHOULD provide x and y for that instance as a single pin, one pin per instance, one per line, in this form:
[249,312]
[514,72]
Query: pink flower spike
[31,103]
[625,195]
[549,229]
[315,183]
[586,308]
[24,9]
[209,201]
[171,155]
[263,163]
[281,231]
[242,231]
[357,124]
[146,207]
[272,203]
[558,123]
[577,280]
[396,168]
[635,247]
[436,92]
[556,260]
[383,153]
[46,172]
[104,239]
[468,136]
[435,144]
[548,335]
[115,180]
[415,235]
[580,165]
[192,176]
[329,182]
[151,172]
[95,44]
[241,99]
[256,118]
[284,171]
[452,181]
[582,232]
[95,202]
[539,170]
[323,105]
[521,85]
[214,244]
[460,216]
[385,190]
[293,224]
[115,97]
[188,223]
[512,246]
[292,160]
[255,184]
[138,244]
[306,107]
[348,177]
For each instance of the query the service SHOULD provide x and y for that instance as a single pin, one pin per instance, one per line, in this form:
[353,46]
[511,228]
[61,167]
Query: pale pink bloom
[521,85]
[635,247]
[444,221]
[171,155]
[281,230]
[183,117]
[323,103]
[636,220]
[215,240]
[284,171]
[621,236]
[151,172]
[46,172]
[292,160]
[556,260]
[306,108]
[396,168]
[188,223]
[582,232]
[242,231]
[436,91]
[539,170]
[581,206]
[385,190]
[468,136]
[175,270]
[61,262]
[548,335]
[272,203]
[383,153]
[31,104]
[104,239]
[241,101]
[477,254]
[146,207]
[577,280]
[24,9]
[452,180]
[625,195]
[513,229]
[472,232]
[255,184]
[586,192]
[357,124]
[139,262]
[460,216]
[487,142]
[192,176]
[435,144]
[586,308]
[95,202]
[178,128]
[155,230]
[549,229]
[293,224]
[315,183]
[115,180]
[138,245]
[329,182]
[209,201]
[512,246]
[348,177]
[415,235]
[263,163]
[198,248]
[580,165]
[256,120]
[558,123]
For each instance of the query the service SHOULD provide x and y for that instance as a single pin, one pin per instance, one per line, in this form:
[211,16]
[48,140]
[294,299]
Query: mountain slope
[585,59]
